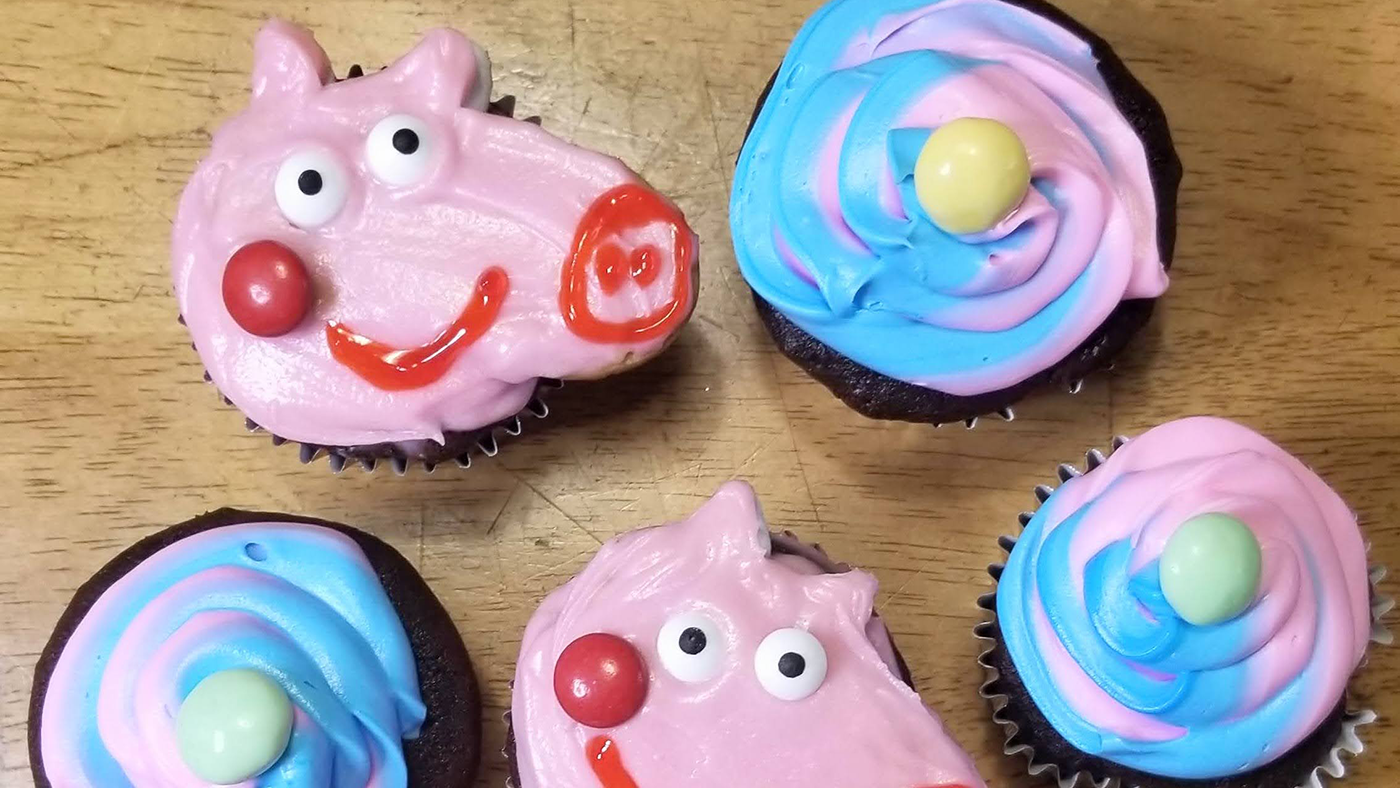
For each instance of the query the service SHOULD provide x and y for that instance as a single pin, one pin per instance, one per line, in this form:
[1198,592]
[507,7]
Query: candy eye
[399,150]
[691,648]
[311,188]
[791,664]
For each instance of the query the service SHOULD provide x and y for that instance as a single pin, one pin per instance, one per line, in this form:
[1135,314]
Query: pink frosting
[398,264]
[1312,611]
[863,726]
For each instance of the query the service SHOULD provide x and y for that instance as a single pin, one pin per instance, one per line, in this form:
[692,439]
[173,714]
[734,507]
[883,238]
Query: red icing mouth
[606,761]
[399,369]
[598,244]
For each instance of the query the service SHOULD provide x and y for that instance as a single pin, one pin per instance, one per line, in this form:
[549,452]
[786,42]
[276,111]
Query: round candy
[600,680]
[233,726]
[971,174]
[1210,569]
[266,289]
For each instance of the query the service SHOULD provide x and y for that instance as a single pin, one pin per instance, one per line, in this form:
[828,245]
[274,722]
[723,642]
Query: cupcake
[711,652]
[390,266]
[255,650]
[1188,612]
[944,204]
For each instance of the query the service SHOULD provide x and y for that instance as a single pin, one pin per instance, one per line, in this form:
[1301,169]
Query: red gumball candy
[266,288]
[600,680]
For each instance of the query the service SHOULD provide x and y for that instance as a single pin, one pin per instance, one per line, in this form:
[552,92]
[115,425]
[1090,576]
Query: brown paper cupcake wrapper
[1348,739]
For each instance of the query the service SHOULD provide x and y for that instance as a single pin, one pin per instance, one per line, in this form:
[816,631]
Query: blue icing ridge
[884,285]
[1193,679]
[314,618]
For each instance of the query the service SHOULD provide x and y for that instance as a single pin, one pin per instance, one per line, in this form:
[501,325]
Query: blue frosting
[876,286]
[1194,678]
[317,621]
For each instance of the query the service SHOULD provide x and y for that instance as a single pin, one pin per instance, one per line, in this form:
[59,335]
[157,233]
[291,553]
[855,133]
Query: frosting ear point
[733,513]
[287,60]
[450,69]
[853,591]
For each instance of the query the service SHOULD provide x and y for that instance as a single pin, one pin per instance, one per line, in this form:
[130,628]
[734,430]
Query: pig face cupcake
[255,650]
[1187,612]
[944,204]
[388,265]
[709,652]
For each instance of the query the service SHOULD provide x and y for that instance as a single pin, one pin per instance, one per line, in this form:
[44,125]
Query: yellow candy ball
[971,174]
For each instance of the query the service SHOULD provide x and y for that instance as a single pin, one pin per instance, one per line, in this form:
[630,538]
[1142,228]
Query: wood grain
[1285,313]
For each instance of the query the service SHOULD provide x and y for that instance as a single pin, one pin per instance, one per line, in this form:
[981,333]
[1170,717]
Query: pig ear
[448,70]
[852,593]
[288,61]
[732,522]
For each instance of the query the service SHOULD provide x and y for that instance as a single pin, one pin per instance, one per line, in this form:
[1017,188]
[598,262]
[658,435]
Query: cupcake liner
[465,443]
[1345,739]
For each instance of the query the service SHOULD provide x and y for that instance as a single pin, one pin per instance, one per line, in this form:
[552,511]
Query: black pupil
[405,141]
[693,641]
[791,665]
[309,182]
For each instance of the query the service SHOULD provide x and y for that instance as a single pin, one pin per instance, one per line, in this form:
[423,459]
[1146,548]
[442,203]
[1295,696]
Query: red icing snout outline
[395,369]
[598,246]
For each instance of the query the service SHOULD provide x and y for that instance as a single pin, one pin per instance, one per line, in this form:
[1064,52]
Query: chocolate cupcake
[711,652]
[255,649]
[390,266]
[1189,612]
[942,205]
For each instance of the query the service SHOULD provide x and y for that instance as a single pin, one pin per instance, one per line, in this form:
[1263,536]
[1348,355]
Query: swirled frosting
[299,603]
[1113,667]
[862,727]
[828,230]
[397,265]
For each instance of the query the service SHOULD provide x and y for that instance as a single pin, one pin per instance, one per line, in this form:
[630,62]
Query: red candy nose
[267,290]
[600,680]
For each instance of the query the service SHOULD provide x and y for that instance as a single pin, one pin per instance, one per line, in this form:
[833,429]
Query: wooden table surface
[1284,313]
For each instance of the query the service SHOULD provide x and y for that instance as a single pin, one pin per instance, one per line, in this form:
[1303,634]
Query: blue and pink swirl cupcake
[255,650]
[943,204]
[1188,612]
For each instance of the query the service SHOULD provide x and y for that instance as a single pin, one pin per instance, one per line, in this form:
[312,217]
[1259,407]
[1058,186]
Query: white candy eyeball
[692,647]
[399,150]
[311,188]
[790,663]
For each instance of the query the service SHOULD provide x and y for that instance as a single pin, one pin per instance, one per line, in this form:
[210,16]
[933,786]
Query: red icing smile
[598,245]
[606,761]
[396,369]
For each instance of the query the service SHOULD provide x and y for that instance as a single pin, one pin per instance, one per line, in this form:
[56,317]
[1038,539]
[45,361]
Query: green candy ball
[233,726]
[1210,569]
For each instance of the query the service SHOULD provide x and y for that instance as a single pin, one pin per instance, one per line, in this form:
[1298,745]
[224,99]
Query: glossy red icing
[599,246]
[606,761]
[395,369]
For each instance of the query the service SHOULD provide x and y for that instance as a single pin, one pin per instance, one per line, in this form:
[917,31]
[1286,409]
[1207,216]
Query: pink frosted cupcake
[711,652]
[390,266]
